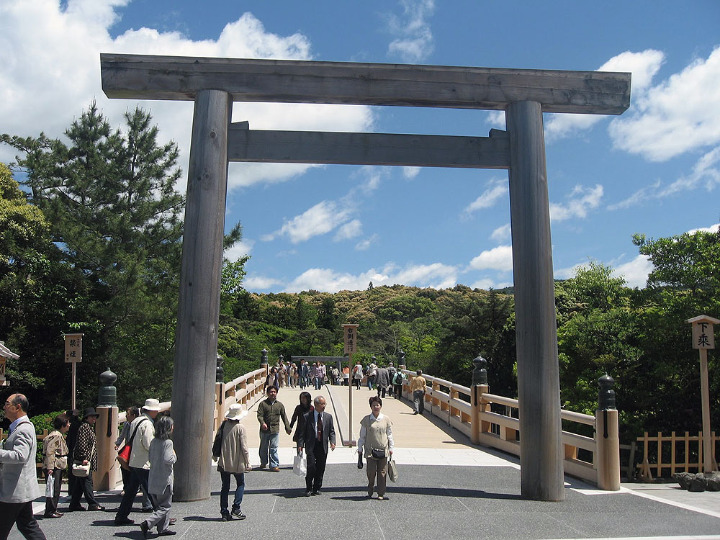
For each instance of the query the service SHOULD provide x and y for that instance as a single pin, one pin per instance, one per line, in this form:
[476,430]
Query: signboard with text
[703,336]
[350,331]
[73,348]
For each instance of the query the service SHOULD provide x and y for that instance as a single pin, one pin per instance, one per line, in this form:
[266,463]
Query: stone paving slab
[448,489]
[438,501]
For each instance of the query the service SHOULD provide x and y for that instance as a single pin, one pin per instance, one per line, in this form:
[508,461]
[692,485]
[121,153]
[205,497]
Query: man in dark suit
[319,432]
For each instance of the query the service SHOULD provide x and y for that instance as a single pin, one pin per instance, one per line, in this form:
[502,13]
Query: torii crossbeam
[215,83]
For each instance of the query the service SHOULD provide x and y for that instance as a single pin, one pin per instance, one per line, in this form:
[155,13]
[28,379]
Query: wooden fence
[453,403]
[684,453]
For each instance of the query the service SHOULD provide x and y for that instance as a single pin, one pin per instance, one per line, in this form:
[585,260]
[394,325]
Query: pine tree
[110,198]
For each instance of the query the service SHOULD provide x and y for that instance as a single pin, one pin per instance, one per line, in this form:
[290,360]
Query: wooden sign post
[703,338]
[73,355]
[350,333]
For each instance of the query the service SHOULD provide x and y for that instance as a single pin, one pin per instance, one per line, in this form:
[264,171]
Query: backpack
[398,379]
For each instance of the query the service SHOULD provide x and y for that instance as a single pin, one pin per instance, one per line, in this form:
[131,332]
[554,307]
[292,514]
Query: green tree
[35,295]
[110,198]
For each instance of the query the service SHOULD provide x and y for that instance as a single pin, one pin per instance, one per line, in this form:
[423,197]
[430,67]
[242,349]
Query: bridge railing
[492,420]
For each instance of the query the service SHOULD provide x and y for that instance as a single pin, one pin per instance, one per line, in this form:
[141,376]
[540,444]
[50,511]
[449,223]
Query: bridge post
[477,404]
[607,436]
[199,307]
[541,452]
[106,429]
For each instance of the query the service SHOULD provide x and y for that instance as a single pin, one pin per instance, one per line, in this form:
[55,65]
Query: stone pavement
[447,489]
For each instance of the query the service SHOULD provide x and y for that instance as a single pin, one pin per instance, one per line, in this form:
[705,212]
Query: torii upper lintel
[348,83]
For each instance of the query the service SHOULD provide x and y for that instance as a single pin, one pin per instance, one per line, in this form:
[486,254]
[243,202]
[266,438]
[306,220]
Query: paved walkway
[448,488]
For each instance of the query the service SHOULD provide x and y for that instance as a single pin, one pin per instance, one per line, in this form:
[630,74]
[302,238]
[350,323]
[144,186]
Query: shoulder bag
[124,455]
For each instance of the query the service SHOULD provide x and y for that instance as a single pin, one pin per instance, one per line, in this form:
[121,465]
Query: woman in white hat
[231,451]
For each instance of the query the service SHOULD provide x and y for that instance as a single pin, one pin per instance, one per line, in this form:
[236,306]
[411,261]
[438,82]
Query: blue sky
[654,170]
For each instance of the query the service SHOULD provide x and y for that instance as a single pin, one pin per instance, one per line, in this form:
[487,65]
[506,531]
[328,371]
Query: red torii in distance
[215,83]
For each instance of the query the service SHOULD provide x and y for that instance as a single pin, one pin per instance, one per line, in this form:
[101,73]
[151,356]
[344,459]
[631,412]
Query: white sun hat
[151,405]
[236,412]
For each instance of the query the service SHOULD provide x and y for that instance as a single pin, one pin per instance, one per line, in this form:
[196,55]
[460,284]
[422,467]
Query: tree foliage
[115,217]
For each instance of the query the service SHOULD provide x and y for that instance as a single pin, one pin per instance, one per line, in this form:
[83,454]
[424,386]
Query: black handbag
[378,453]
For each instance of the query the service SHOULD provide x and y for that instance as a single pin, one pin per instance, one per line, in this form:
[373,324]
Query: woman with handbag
[376,440]
[84,463]
[55,453]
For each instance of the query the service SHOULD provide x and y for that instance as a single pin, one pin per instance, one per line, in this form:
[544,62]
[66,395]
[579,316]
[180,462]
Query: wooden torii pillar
[214,83]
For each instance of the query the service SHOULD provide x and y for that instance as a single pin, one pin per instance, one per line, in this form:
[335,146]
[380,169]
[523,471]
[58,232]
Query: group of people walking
[148,465]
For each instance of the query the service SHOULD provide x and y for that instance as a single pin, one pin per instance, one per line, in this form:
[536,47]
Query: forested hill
[440,331]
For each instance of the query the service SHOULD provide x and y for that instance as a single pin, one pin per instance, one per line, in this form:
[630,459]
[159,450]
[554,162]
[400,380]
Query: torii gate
[215,83]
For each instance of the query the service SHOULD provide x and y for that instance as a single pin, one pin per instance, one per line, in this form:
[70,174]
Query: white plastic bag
[49,486]
[300,464]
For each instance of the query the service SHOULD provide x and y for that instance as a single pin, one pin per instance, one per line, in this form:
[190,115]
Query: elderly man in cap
[142,431]
[85,453]
[18,477]
[231,450]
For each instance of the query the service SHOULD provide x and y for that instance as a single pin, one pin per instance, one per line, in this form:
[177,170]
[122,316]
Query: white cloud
[496,190]
[679,115]
[259,283]
[55,52]
[365,244]
[484,284]
[502,234]
[415,40]
[239,250]
[643,66]
[320,219]
[499,258]
[435,275]
[705,173]
[410,172]
[580,201]
[635,272]
[567,273]
[640,196]
[710,229]
[351,229]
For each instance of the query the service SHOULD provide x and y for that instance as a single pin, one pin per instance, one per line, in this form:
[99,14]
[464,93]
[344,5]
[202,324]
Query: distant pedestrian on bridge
[382,381]
[417,387]
[357,375]
[304,373]
[376,444]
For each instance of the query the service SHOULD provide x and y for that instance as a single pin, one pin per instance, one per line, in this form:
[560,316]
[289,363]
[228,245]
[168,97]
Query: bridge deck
[448,488]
